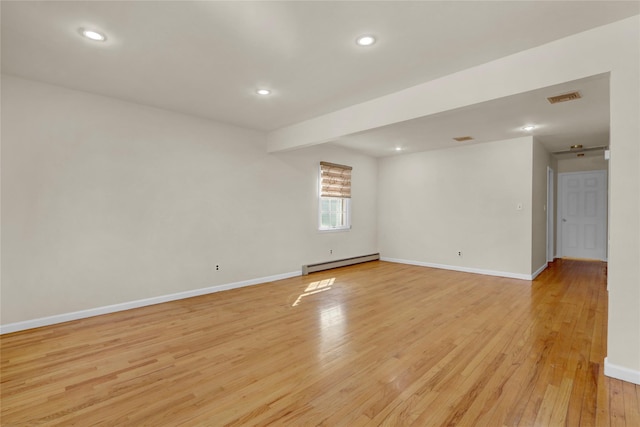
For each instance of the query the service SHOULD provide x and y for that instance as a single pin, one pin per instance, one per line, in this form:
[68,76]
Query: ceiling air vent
[463,138]
[564,97]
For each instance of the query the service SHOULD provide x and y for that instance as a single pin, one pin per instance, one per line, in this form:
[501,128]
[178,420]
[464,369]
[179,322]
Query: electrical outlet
[217,267]
[330,251]
[459,253]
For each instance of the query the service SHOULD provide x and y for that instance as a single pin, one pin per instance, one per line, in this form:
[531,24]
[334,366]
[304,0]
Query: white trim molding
[621,373]
[468,269]
[540,270]
[82,314]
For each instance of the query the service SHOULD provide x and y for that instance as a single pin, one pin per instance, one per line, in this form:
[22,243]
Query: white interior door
[582,215]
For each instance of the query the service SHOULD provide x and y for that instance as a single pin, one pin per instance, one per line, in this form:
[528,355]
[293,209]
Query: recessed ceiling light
[263,92]
[365,40]
[528,128]
[93,35]
[398,148]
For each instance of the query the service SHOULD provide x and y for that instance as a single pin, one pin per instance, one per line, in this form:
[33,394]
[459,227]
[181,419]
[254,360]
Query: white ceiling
[207,58]
[582,121]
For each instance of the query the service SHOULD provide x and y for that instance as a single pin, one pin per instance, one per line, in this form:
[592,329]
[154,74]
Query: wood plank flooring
[373,344]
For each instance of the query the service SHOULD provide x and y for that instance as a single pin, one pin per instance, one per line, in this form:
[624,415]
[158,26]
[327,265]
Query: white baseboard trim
[621,373]
[462,269]
[66,317]
[538,271]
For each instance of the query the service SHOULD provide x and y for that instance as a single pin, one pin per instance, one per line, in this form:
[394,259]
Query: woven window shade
[335,180]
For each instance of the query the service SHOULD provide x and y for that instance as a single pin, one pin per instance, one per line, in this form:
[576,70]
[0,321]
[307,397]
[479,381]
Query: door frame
[551,253]
[559,204]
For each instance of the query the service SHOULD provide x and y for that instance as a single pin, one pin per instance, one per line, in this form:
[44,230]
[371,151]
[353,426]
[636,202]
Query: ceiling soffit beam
[550,64]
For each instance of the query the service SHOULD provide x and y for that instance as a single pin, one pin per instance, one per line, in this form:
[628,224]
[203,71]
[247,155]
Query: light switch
[519,207]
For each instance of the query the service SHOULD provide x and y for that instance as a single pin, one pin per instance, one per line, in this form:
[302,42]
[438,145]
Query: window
[334,213]
[335,196]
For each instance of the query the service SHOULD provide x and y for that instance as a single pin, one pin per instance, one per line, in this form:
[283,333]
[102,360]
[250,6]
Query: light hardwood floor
[373,344]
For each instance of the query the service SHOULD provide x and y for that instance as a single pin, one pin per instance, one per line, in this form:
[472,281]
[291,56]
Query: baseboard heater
[312,268]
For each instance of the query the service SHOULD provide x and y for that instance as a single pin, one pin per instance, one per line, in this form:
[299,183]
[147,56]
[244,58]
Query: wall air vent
[463,138]
[564,97]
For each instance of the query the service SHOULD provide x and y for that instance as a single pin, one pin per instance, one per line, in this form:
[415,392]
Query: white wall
[436,203]
[623,338]
[583,164]
[541,161]
[105,202]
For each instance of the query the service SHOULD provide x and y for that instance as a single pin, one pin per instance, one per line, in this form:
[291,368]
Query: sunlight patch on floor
[314,288]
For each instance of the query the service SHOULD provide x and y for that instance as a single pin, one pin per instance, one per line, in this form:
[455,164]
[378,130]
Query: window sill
[333,230]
